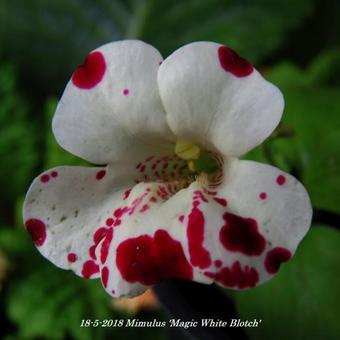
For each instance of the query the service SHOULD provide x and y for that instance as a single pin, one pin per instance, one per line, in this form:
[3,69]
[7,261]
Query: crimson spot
[100,174]
[71,257]
[54,174]
[263,195]
[105,276]
[109,222]
[281,180]
[37,230]
[92,251]
[104,250]
[89,268]
[199,256]
[220,201]
[236,276]
[233,63]
[44,178]
[241,234]
[126,194]
[218,263]
[150,260]
[99,234]
[91,72]
[275,257]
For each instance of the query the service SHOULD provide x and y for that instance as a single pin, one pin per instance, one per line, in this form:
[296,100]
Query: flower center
[199,161]
[188,163]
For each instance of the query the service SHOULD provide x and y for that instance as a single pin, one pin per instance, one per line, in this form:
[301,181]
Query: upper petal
[217,99]
[111,107]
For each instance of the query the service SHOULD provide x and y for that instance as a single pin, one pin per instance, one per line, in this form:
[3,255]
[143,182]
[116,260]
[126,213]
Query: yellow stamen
[191,166]
[187,150]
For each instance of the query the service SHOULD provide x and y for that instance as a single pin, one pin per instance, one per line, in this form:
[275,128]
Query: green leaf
[18,141]
[302,301]
[13,240]
[49,38]
[325,68]
[286,75]
[312,112]
[323,71]
[51,303]
[313,152]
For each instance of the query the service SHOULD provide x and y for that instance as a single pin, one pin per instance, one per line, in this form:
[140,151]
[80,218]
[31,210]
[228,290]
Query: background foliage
[294,43]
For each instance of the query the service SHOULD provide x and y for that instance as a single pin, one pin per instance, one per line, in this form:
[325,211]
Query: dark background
[294,43]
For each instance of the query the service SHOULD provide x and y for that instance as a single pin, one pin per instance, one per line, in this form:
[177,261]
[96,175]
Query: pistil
[198,160]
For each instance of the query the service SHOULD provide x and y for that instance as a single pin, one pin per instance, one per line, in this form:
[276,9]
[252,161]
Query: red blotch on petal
[233,63]
[263,196]
[241,234]
[99,234]
[275,257]
[236,276]
[89,268]
[37,230]
[44,178]
[218,263]
[100,174]
[117,222]
[144,208]
[126,194]
[126,92]
[104,250]
[118,212]
[199,256]
[281,180]
[105,276]
[54,174]
[220,201]
[91,72]
[109,222]
[71,257]
[150,260]
[92,251]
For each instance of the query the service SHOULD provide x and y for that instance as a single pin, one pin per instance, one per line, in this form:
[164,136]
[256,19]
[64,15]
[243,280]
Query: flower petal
[68,211]
[143,249]
[236,235]
[241,233]
[86,220]
[217,99]
[111,109]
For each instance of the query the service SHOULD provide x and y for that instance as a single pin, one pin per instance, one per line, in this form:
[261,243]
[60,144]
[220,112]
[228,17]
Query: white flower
[173,200]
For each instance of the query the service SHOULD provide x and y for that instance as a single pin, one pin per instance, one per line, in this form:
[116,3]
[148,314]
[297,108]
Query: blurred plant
[312,114]
[18,143]
[302,302]
[49,38]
